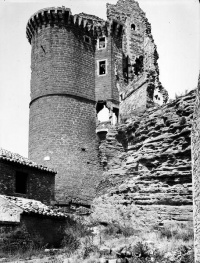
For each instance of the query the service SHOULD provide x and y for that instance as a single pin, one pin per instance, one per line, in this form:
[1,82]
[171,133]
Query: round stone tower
[62,119]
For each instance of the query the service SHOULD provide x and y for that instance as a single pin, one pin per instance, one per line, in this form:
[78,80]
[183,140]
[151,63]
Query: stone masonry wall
[196,173]
[139,57]
[135,102]
[117,65]
[65,61]
[63,128]
[62,109]
[147,160]
[49,230]
[40,184]
[103,83]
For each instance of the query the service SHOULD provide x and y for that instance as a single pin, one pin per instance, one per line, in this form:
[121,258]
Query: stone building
[26,199]
[23,178]
[34,217]
[82,65]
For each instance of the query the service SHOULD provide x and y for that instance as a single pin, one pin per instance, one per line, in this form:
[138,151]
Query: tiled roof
[16,158]
[31,206]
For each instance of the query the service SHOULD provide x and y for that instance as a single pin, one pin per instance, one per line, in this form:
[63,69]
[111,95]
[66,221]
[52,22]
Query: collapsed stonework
[138,82]
[147,160]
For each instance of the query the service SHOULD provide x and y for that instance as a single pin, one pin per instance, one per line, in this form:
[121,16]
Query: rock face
[147,160]
[196,172]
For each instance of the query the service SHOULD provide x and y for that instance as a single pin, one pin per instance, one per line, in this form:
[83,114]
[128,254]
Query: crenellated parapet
[51,16]
[62,17]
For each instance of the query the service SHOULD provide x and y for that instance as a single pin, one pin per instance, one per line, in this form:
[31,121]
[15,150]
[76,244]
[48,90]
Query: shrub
[177,231]
[111,210]
[115,230]
[71,241]
[121,218]
[183,254]
[141,250]
[88,247]
[182,120]
[20,240]
[75,229]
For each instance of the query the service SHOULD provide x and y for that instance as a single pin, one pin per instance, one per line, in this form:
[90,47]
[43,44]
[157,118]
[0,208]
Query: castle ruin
[80,65]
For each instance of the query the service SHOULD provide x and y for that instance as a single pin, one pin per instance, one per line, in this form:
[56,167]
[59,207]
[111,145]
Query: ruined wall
[117,64]
[196,173]
[65,87]
[148,160]
[139,58]
[135,99]
[62,109]
[40,184]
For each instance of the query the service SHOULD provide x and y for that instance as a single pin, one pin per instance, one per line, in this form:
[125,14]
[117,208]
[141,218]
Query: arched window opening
[102,112]
[103,115]
[133,27]
[115,116]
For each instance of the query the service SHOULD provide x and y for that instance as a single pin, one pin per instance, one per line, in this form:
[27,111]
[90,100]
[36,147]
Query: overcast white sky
[175,28]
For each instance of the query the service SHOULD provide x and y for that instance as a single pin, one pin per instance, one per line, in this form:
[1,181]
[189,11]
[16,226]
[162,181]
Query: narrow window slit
[102,67]
[43,49]
[133,27]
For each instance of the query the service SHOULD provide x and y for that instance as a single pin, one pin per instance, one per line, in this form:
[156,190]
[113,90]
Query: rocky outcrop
[147,160]
[196,171]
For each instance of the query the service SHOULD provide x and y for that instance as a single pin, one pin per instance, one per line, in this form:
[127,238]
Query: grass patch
[119,229]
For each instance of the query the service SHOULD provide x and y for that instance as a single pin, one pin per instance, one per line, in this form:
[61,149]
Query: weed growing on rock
[120,219]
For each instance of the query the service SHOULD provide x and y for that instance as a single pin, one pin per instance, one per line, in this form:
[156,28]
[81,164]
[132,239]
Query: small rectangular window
[102,67]
[87,39]
[21,182]
[102,42]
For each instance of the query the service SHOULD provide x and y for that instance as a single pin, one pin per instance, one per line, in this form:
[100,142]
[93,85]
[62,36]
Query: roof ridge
[17,158]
